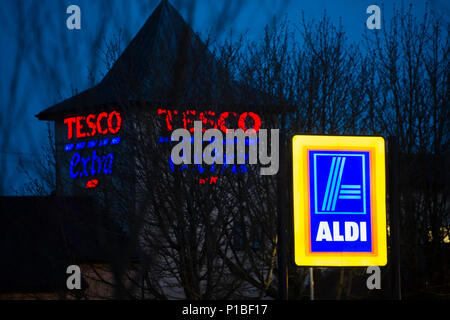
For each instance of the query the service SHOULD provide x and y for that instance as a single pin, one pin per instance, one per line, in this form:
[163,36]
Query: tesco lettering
[91,125]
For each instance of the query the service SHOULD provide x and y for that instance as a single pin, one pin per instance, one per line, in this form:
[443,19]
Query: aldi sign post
[339,189]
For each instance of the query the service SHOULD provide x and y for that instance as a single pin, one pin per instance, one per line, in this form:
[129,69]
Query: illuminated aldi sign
[339,200]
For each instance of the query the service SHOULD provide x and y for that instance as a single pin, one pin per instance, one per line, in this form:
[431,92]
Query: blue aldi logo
[340,201]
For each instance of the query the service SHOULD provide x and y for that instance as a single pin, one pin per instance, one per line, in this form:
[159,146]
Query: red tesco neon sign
[96,124]
[208,118]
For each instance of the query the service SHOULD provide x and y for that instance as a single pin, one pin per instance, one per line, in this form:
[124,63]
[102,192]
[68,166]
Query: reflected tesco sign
[210,120]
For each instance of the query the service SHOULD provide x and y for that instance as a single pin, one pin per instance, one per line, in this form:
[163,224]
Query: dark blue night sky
[56,62]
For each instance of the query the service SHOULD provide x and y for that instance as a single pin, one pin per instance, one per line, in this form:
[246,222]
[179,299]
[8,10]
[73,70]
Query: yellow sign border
[300,167]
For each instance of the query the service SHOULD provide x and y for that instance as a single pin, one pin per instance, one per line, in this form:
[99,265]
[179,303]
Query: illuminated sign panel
[209,119]
[96,124]
[339,200]
[173,119]
[92,157]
